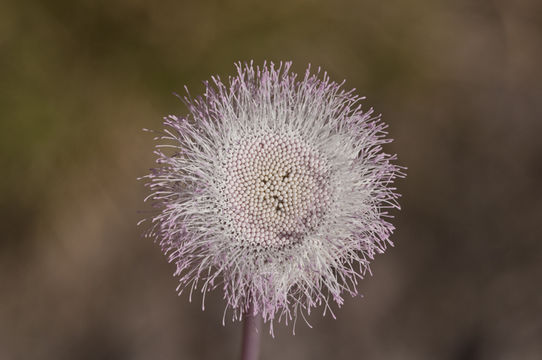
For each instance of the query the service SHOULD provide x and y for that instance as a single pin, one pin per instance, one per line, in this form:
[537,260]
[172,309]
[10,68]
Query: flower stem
[251,335]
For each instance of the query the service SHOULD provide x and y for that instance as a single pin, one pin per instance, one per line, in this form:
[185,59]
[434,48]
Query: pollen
[277,190]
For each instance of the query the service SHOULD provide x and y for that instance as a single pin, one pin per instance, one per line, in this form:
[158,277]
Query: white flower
[276,189]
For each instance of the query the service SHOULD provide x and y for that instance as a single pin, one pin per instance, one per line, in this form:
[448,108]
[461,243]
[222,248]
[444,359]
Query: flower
[275,189]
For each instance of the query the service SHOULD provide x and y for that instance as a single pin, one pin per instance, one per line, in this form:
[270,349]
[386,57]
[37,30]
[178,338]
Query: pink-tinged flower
[276,189]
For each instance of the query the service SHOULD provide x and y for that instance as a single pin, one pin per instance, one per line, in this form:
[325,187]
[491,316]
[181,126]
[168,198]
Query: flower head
[276,190]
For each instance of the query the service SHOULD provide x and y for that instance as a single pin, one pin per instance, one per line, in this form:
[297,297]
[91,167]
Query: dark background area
[459,82]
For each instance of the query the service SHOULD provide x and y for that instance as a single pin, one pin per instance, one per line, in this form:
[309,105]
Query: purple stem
[251,335]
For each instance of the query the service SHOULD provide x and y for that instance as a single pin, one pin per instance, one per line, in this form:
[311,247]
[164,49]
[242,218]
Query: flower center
[277,190]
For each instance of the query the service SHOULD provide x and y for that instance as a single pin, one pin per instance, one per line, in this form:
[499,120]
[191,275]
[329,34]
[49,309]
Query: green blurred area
[458,82]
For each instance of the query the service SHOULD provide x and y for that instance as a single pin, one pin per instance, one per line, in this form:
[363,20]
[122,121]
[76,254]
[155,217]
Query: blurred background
[458,82]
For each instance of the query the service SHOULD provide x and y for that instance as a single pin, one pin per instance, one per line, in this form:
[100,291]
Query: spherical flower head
[276,189]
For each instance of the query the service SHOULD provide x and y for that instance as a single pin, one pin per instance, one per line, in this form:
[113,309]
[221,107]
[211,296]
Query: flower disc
[277,191]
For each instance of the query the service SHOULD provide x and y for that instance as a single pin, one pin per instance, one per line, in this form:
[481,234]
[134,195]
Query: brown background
[459,82]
